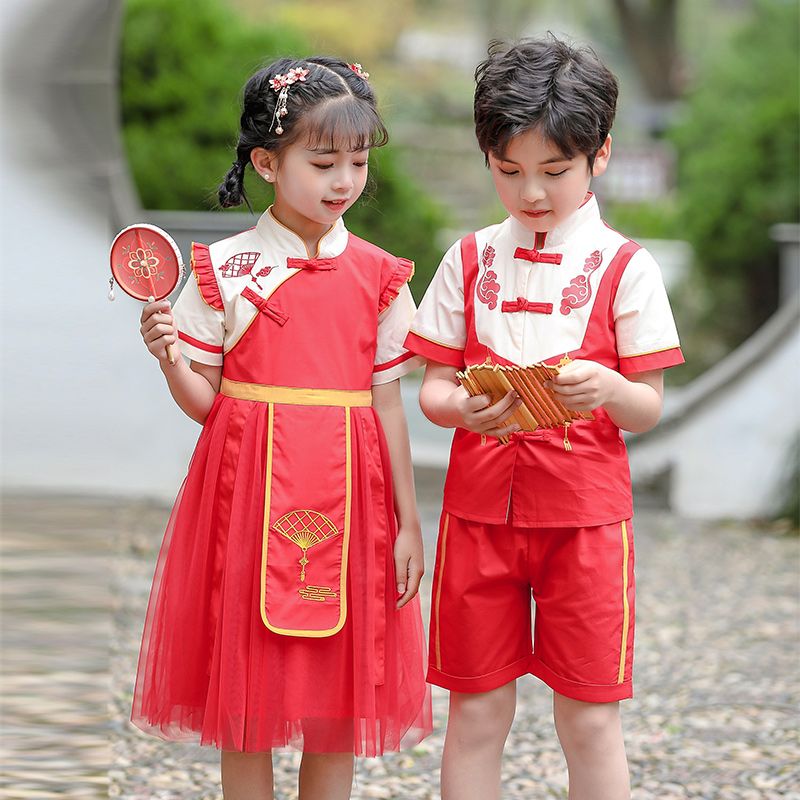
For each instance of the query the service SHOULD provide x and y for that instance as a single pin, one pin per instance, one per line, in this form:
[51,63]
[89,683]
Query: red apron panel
[306,520]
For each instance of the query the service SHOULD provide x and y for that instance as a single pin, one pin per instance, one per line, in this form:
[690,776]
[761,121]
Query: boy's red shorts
[582,583]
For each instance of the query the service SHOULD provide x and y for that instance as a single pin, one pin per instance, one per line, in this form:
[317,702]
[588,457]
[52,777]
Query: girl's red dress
[272,619]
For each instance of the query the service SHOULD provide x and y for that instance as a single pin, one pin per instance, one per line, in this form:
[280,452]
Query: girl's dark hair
[334,108]
[565,92]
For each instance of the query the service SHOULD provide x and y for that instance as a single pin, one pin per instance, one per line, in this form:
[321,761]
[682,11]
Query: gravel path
[717,653]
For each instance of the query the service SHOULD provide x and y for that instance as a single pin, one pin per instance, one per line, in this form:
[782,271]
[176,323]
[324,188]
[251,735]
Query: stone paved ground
[717,654]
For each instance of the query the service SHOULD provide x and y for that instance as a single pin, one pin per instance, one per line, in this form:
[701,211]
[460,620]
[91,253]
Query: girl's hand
[479,416]
[585,385]
[158,329]
[409,563]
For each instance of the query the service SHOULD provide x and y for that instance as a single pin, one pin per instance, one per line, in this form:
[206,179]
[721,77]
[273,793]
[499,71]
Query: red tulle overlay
[210,670]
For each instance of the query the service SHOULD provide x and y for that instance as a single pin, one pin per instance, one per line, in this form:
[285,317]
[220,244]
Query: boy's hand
[158,328]
[479,416]
[585,385]
[409,563]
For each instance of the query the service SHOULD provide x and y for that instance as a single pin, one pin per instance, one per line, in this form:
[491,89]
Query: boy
[549,514]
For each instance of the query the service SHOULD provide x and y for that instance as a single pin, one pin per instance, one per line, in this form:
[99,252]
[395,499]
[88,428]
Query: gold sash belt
[295,396]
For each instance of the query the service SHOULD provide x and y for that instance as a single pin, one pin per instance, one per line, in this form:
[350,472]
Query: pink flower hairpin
[359,70]
[281,84]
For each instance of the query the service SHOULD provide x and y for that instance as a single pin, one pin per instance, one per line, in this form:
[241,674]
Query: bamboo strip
[518,413]
[509,375]
[543,411]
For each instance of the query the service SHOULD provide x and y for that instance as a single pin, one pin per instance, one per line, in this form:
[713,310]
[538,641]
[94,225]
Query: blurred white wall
[83,405]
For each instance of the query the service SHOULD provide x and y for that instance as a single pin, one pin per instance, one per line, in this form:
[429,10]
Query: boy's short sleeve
[645,329]
[438,332]
[392,359]
[199,313]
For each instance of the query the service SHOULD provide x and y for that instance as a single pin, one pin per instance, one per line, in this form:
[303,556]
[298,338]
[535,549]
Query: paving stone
[715,716]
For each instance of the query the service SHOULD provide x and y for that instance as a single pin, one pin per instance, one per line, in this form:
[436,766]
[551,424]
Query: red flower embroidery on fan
[488,287]
[240,264]
[579,291]
[143,262]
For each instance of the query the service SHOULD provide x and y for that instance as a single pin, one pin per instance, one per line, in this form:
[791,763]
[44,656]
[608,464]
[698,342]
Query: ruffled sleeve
[399,274]
[199,312]
[203,271]
[392,359]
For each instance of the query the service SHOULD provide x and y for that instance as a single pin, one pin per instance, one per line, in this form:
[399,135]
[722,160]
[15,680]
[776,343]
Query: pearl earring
[266,176]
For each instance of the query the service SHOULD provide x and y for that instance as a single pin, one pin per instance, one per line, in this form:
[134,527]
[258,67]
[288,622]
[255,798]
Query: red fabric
[534,481]
[395,276]
[580,580]
[209,668]
[265,306]
[204,273]
[210,348]
[521,304]
[433,351]
[393,363]
[536,257]
[630,365]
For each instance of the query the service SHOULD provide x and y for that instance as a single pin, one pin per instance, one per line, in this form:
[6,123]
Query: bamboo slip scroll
[540,407]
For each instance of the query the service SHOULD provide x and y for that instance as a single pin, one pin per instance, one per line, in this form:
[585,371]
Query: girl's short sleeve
[396,306]
[438,332]
[645,329]
[199,313]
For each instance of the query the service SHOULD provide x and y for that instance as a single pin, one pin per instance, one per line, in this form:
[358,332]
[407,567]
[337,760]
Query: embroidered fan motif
[488,287]
[579,291]
[240,264]
[305,528]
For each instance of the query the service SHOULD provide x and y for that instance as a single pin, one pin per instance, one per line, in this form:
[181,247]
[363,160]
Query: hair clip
[281,84]
[358,69]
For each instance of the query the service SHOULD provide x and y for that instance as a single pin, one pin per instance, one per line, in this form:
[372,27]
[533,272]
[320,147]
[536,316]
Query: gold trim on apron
[295,396]
[317,593]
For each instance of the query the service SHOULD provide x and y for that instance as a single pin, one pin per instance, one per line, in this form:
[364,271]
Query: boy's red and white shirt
[534,296]
[511,296]
[233,279]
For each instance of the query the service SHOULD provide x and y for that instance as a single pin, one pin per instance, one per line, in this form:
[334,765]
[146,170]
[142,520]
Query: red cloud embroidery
[579,291]
[488,287]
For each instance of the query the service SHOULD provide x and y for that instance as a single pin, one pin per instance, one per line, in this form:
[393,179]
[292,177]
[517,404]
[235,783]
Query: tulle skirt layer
[211,671]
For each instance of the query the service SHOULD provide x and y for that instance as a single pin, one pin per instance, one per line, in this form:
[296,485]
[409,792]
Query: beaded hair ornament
[281,84]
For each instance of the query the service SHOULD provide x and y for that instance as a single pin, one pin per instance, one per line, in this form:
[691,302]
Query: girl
[283,610]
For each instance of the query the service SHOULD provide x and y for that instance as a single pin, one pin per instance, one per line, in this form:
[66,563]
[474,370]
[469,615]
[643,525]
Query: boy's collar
[556,237]
[282,242]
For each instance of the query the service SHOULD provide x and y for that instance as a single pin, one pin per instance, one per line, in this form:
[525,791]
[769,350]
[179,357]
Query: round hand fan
[146,264]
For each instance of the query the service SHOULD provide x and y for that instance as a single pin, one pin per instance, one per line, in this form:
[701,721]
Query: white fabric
[643,316]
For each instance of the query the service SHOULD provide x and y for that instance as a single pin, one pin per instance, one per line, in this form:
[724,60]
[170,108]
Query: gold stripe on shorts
[626,611]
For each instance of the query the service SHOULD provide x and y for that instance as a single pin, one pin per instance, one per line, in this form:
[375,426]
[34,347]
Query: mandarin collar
[588,212]
[282,242]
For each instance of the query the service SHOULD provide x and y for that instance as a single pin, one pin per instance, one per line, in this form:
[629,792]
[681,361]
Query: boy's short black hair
[565,92]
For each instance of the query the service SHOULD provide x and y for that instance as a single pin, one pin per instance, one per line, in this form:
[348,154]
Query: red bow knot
[537,257]
[315,264]
[521,304]
[265,306]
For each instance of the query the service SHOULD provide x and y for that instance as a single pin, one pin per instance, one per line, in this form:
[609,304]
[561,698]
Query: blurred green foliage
[737,138]
[738,144]
[183,67]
